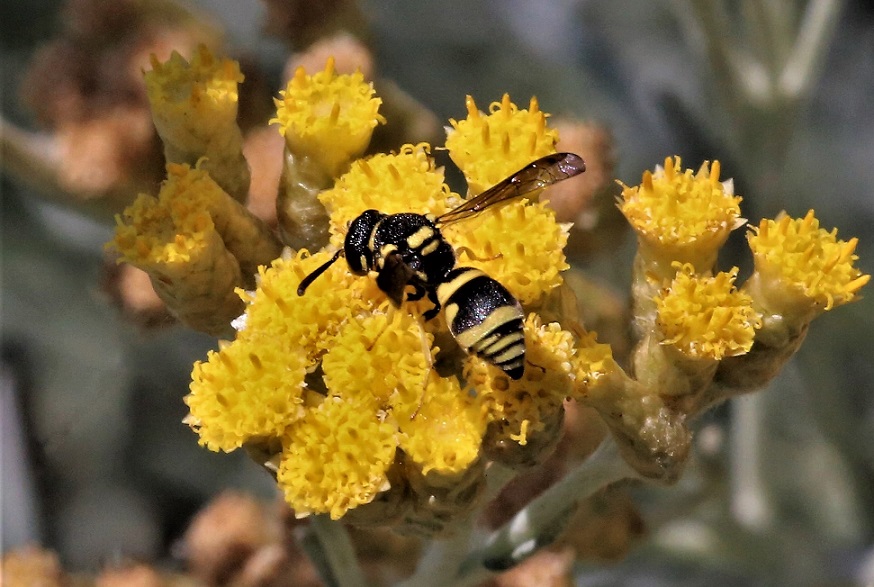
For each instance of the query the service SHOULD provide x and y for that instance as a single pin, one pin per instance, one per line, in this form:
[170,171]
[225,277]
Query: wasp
[408,250]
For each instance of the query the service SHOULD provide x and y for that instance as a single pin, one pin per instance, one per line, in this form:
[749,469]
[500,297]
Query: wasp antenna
[309,279]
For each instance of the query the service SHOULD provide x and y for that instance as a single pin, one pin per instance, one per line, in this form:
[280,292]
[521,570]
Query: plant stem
[541,521]
[332,553]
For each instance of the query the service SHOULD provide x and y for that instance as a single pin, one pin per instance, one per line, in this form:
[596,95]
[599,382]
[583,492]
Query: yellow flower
[706,317]
[150,233]
[519,244]
[391,183]
[251,388]
[797,257]
[682,216]
[382,354]
[328,117]
[310,321]
[446,433]
[488,148]
[197,244]
[191,101]
[194,107]
[336,457]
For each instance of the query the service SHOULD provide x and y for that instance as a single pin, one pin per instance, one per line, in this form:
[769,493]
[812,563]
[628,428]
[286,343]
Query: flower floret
[488,148]
[678,208]
[337,457]
[809,259]
[446,433]
[249,389]
[328,116]
[706,317]
[391,183]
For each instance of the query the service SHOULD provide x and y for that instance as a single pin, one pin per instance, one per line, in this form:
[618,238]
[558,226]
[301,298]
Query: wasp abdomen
[484,318]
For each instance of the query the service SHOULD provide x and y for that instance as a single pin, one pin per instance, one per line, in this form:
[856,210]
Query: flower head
[680,215]
[446,434]
[250,389]
[808,263]
[488,148]
[181,240]
[193,100]
[521,407]
[391,183]
[706,317]
[327,116]
[337,456]
[519,244]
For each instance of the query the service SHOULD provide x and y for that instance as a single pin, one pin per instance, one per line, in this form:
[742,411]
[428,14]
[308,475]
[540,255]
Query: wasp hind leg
[429,364]
[432,313]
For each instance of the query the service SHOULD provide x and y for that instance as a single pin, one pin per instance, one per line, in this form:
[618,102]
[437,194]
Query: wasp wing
[536,175]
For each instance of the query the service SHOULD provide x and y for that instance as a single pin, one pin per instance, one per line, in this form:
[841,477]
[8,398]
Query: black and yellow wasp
[407,249]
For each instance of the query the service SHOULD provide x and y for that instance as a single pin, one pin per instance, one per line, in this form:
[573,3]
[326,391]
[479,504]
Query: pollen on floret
[251,388]
[520,244]
[676,209]
[312,320]
[705,316]
[171,227]
[446,433]
[548,380]
[380,355]
[406,181]
[488,148]
[337,457]
[593,363]
[203,93]
[807,259]
[328,116]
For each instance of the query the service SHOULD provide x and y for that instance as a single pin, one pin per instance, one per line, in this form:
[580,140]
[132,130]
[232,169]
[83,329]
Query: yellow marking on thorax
[415,240]
[432,246]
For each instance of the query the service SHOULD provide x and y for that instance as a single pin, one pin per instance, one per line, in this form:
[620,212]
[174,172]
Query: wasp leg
[389,318]
[426,351]
[473,256]
[418,292]
[432,313]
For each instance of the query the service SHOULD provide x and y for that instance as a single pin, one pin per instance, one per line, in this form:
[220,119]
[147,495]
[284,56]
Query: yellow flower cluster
[327,116]
[363,373]
[807,260]
[349,397]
